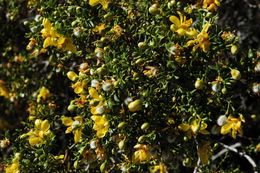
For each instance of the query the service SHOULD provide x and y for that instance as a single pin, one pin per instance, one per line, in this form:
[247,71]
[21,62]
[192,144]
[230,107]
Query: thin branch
[198,162]
[223,151]
[249,159]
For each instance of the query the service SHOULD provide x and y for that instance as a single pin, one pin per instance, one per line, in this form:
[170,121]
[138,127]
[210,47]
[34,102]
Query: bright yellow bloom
[42,129]
[181,25]
[43,94]
[14,167]
[232,125]
[101,125]
[99,28]
[104,3]
[116,31]
[79,86]
[97,104]
[3,89]
[201,40]
[141,154]
[53,38]
[161,168]
[196,126]
[211,5]
[73,126]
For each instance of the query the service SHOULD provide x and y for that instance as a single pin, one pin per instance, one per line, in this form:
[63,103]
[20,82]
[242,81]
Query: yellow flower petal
[93,2]
[48,42]
[184,127]
[175,21]
[68,130]
[93,93]
[45,126]
[67,121]
[226,128]
[46,23]
[33,140]
[77,135]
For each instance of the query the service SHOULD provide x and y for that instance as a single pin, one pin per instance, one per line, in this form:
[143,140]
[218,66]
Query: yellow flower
[104,3]
[141,154]
[211,5]
[14,167]
[151,71]
[32,111]
[79,86]
[161,168]
[36,136]
[3,90]
[97,104]
[73,126]
[101,125]
[181,25]
[196,126]
[53,38]
[99,28]
[232,125]
[201,40]
[116,31]
[43,94]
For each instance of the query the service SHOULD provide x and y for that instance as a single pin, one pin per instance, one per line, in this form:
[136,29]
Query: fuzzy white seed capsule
[257,68]
[216,87]
[221,120]
[93,144]
[94,83]
[256,88]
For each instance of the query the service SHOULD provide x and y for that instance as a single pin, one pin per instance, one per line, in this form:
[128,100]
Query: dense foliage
[125,86]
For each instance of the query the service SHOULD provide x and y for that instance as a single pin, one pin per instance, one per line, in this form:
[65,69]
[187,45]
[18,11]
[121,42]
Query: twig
[249,159]
[223,151]
[198,162]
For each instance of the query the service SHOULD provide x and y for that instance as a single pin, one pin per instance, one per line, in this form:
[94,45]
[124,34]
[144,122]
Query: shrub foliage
[125,86]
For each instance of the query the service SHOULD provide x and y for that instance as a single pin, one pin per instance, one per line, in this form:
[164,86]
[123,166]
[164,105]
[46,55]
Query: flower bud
[121,144]
[72,75]
[224,90]
[153,9]
[135,106]
[235,74]
[71,107]
[145,126]
[102,167]
[37,123]
[121,125]
[199,84]
[141,45]
[234,49]
[141,139]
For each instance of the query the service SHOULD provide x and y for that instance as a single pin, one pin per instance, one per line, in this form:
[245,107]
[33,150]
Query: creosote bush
[125,86]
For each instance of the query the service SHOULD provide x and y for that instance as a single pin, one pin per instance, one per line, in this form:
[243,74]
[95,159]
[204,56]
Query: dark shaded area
[244,17]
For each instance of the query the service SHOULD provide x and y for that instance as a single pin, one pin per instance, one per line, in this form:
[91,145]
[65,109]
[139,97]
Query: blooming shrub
[125,86]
